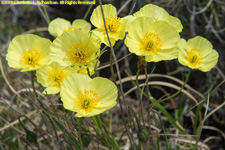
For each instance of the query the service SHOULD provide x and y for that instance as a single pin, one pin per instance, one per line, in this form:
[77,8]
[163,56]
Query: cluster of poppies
[67,64]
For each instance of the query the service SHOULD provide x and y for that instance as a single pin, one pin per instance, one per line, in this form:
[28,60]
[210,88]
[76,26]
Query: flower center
[86,101]
[112,24]
[77,54]
[56,77]
[151,42]
[194,56]
[30,57]
[70,28]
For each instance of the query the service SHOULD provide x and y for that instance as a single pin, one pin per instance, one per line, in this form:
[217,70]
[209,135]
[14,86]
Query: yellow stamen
[84,71]
[194,56]
[30,57]
[112,23]
[86,101]
[70,28]
[156,19]
[77,54]
[151,42]
[56,77]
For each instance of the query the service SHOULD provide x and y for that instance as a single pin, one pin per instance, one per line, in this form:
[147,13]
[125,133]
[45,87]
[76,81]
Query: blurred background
[199,17]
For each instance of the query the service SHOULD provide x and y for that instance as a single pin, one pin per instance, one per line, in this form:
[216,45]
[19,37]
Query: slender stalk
[32,80]
[178,92]
[111,66]
[140,65]
[119,77]
[46,14]
[148,97]
[140,106]
[87,12]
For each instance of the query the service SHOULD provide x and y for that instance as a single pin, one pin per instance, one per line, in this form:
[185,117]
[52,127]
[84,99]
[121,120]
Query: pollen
[69,29]
[84,71]
[151,42]
[194,56]
[113,23]
[77,54]
[30,57]
[86,101]
[156,19]
[56,77]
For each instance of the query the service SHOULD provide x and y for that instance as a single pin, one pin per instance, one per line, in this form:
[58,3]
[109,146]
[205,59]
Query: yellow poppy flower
[88,97]
[77,48]
[197,53]
[59,25]
[156,40]
[159,14]
[52,77]
[28,52]
[115,25]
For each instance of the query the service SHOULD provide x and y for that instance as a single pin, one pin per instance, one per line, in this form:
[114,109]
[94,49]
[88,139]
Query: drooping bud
[31,136]
[85,139]
[141,63]
[143,134]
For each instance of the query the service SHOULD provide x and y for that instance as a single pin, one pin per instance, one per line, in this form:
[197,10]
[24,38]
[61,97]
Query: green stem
[97,121]
[111,66]
[119,77]
[46,14]
[139,95]
[32,80]
[167,114]
[178,92]
[148,97]
[88,71]
[88,11]
[164,111]
[79,131]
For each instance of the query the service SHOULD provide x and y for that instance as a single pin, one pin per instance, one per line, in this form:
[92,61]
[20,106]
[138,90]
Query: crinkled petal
[106,90]
[200,43]
[209,61]
[57,26]
[154,11]
[16,46]
[207,57]
[70,87]
[43,45]
[101,34]
[81,23]
[60,46]
[135,34]
[96,17]
[51,90]
[175,22]
[163,54]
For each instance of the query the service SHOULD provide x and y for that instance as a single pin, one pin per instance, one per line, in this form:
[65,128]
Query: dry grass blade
[216,129]
[202,10]
[16,121]
[214,110]
[187,141]
[10,125]
[36,30]
[164,84]
[211,138]
[141,77]
[4,76]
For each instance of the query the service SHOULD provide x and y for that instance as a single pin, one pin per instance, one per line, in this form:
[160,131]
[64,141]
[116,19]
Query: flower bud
[143,134]
[141,63]
[85,139]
